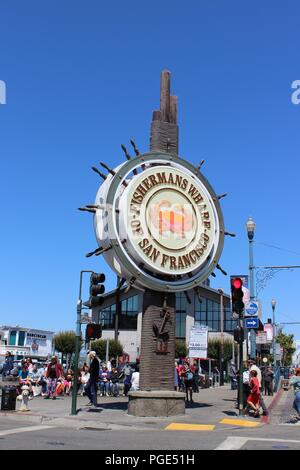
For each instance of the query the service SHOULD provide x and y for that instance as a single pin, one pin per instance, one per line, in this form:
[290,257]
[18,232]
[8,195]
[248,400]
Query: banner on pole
[198,342]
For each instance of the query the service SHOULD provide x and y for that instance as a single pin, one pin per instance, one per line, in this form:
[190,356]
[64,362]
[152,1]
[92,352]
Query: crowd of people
[51,379]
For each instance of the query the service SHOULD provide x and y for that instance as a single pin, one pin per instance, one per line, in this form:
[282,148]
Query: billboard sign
[39,342]
[268,328]
[198,342]
[261,337]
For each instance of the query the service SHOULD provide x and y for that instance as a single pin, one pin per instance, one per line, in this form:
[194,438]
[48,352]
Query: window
[127,318]
[129,313]
[207,313]
[21,339]
[12,338]
[180,315]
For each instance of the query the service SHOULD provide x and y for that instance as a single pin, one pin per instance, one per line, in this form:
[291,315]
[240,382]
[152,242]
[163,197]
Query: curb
[265,419]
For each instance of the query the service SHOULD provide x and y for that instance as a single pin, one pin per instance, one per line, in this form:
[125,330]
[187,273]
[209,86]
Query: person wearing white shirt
[135,381]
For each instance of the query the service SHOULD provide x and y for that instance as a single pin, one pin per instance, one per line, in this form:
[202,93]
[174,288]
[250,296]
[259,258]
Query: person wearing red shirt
[53,373]
[253,398]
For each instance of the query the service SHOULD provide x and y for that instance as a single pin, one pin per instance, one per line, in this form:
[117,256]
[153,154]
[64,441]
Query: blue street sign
[251,322]
[251,309]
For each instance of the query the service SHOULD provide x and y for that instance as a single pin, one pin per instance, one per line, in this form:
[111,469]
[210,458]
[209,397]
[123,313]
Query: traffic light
[96,289]
[238,335]
[93,331]
[237,295]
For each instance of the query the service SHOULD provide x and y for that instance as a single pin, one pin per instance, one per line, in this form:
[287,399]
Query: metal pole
[240,391]
[76,358]
[118,308]
[107,350]
[251,272]
[77,347]
[222,338]
[274,353]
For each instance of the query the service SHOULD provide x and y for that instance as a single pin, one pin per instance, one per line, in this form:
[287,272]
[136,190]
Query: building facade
[26,342]
[191,310]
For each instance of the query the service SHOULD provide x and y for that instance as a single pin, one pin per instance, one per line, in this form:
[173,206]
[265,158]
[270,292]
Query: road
[205,431]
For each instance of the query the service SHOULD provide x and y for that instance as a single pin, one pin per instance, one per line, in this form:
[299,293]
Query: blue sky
[83,77]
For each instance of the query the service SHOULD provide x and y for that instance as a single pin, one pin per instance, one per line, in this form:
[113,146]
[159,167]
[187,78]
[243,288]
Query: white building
[25,342]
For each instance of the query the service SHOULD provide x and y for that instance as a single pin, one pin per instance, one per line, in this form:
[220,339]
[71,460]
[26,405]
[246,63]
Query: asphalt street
[206,427]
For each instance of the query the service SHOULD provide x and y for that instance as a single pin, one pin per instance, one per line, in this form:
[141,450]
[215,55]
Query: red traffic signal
[237,283]
[237,295]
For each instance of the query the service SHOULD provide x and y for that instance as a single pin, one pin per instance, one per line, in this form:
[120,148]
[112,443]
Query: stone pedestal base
[156,403]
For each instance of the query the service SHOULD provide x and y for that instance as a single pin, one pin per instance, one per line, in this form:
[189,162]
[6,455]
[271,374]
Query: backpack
[189,376]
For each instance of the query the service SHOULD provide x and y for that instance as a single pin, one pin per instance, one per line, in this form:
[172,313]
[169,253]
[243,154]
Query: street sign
[85,319]
[261,337]
[268,328]
[251,309]
[198,342]
[251,322]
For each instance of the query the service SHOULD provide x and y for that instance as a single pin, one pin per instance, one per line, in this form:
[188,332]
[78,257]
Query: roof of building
[23,328]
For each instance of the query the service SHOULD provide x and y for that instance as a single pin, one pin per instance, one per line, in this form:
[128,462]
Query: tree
[180,348]
[287,343]
[99,346]
[65,343]
[214,349]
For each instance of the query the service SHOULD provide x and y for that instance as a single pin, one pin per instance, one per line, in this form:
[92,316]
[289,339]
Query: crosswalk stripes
[211,427]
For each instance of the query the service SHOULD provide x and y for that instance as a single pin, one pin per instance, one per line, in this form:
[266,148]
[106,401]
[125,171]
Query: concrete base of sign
[156,403]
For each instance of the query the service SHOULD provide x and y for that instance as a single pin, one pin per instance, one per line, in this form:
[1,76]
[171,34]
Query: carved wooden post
[159,308]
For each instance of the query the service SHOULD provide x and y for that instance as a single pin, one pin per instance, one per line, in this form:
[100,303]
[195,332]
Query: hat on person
[92,353]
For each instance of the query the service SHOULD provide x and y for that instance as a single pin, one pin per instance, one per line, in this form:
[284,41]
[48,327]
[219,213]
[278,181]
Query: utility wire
[277,248]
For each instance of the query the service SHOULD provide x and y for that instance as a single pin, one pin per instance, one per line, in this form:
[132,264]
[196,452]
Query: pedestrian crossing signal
[93,331]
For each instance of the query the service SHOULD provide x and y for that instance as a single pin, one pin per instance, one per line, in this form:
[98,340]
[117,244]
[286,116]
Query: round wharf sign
[160,223]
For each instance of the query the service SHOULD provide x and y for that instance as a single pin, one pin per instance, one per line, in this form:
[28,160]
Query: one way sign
[251,322]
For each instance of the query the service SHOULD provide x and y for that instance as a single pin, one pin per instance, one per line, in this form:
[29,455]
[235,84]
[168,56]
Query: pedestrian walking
[54,372]
[91,386]
[268,377]
[233,376]
[253,366]
[188,382]
[253,398]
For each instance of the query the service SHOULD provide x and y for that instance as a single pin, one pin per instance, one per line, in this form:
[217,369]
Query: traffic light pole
[240,390]
[77,346]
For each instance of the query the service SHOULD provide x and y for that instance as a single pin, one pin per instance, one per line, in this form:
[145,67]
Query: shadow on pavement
[197,405]
[119,405]
[230,413]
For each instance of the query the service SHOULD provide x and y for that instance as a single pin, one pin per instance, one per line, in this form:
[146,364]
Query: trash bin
[9,397]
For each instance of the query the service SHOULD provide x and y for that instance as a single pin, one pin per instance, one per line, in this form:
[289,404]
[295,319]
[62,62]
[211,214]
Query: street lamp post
[273,303]
[250,227]
[222,336]
[77,346]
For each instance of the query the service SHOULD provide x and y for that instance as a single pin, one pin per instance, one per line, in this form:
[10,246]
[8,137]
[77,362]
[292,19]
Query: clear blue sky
[83,77]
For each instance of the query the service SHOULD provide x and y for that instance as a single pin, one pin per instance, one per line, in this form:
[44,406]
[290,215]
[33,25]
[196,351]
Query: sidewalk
[209,407]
